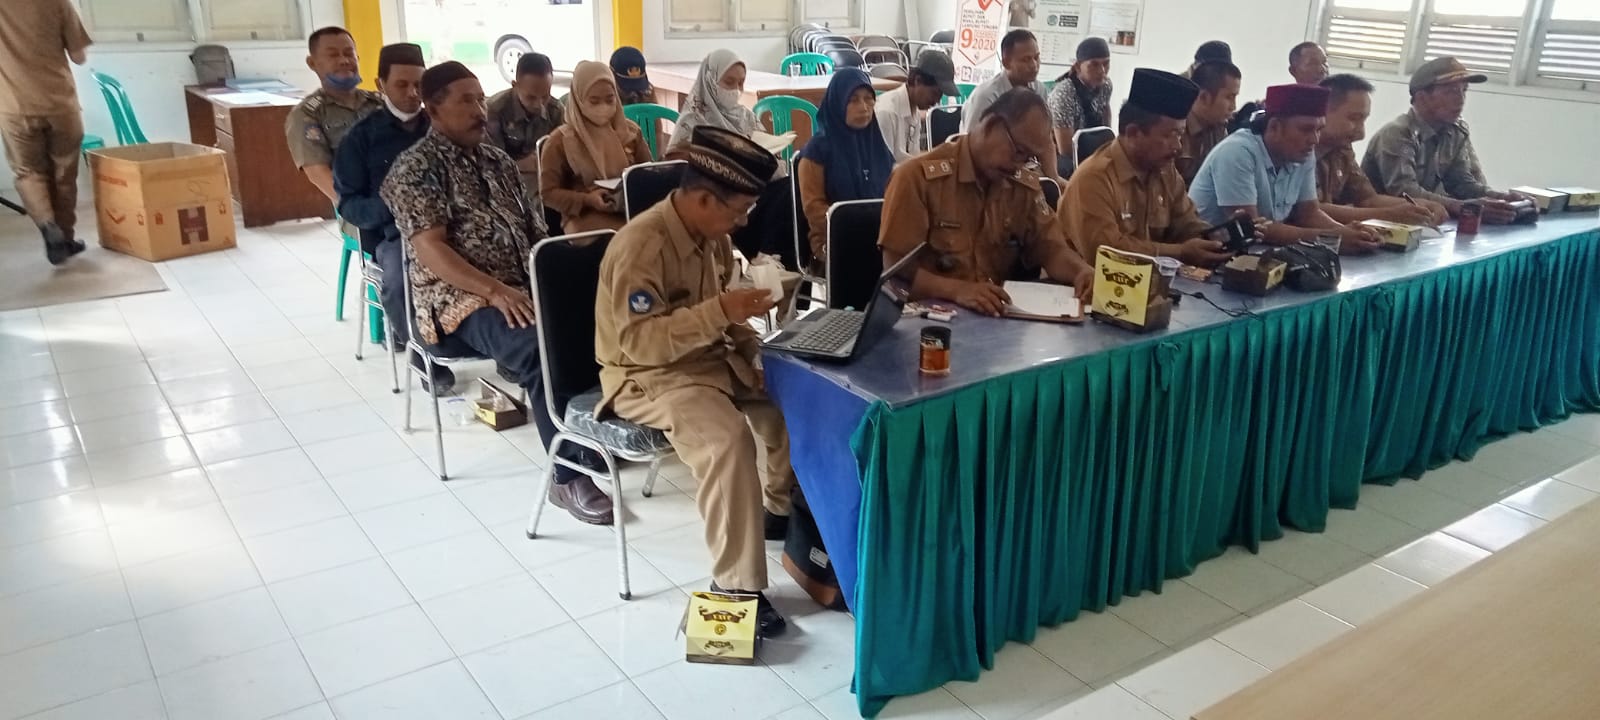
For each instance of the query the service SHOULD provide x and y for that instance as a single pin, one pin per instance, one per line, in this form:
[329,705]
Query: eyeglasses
[725,203]
[1018,153]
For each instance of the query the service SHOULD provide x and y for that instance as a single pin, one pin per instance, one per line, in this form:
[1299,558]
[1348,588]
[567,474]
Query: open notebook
[774,144]
[1043,301]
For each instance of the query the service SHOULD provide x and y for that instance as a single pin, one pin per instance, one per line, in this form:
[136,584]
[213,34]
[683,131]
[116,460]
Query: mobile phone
[1241,231]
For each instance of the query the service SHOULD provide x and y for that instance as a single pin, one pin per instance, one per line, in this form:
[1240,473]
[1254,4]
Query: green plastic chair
[648,117]
[1048,86]
[966,91]
[128,130]
[352,248]
[783,108]
[810,64]
[91,142]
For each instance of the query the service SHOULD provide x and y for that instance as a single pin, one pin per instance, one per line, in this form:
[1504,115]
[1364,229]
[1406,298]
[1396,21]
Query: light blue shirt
[1239,172]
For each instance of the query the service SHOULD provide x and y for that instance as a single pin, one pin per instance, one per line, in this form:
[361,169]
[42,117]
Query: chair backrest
[802,229]
[966,91]
[1052,192]
[846,57]
[817,41]
[943,37]
[1086,141]
[799,33]
[877,41]
[879,56]
[127,124]
[552,218]
[942,123]
[809,64]
[854,260]
[566,278]
[648,117]
[645,185]
[782,109]
[890,71]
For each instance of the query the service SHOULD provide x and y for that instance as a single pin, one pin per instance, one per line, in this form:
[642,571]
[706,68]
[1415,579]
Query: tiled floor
[209,511]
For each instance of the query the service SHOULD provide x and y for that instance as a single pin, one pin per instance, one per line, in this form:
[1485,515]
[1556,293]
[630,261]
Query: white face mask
[726,97]
[404,116]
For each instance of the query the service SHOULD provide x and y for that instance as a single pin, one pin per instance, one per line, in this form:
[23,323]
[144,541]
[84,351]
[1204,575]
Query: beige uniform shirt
[975,233]
[658,317]
[1410,156]
[35,37]
[1112,204]
[317,125]
[1198,141]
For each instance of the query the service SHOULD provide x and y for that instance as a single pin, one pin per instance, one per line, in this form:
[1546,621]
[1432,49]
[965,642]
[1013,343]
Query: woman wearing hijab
[597,143]
[633,82]
[1082,97]
[846,159]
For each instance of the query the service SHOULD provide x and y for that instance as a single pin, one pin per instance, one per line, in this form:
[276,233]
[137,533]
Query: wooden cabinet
[265,181]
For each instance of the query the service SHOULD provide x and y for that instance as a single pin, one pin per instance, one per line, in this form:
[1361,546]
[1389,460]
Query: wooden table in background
[1515,636]
[673,81]
[265,181]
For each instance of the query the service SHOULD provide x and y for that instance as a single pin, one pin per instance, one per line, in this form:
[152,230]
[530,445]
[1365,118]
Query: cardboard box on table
[159,201]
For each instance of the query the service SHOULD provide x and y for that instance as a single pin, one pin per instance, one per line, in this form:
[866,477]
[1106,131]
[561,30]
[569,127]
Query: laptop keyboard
[831,334]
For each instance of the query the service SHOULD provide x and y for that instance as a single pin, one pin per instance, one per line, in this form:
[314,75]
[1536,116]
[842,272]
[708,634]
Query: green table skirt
[999,508]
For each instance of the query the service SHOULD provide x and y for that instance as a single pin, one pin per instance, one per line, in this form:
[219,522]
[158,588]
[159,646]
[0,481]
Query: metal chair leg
[438,426]
[549,477]
[408,390]
[361,316]
[650,478]
[394,367]
[619,516]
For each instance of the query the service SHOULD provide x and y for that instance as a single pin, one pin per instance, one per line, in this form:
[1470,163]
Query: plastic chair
[943,122]
[566,277]
[810,64]
[1088,140]
[127,124]
[648,117]
[372,283]
[783,108]
[1052,192]
[91,142]
[352,248]
[966,91]
[854,260]
[645,185]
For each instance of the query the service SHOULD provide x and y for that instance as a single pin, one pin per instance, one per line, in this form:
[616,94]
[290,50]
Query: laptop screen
[883,310]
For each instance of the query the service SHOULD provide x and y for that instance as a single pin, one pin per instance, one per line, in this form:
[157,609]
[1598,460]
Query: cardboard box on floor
[159,201]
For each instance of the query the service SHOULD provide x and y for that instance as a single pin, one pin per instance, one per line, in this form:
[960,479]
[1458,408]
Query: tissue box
[1252,275]
[1395,236]
[1549,201]
[720,628]
[1580,198]
[497,409]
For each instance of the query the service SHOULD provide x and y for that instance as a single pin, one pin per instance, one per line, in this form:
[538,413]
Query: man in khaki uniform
[1427,153]
[1207,123]
[40,120]
[317,125]
[1344,191]
[977,202]
[1128,195]
[675,354]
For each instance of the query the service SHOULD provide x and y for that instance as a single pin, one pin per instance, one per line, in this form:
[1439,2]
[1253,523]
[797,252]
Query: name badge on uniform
[947,225]
[640,302]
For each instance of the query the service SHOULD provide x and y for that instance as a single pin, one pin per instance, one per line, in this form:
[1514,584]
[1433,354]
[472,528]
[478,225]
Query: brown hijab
[600,152]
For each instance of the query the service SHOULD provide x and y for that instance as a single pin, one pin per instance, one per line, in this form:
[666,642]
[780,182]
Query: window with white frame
[136,21]
[1516,42]
[770,17]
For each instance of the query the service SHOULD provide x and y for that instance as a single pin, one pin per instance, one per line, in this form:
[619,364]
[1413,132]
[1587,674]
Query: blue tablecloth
[1060,468]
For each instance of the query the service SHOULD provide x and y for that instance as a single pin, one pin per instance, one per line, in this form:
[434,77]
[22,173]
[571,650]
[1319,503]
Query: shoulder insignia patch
[937,168]
[313,102]
[314,133]
[640,302]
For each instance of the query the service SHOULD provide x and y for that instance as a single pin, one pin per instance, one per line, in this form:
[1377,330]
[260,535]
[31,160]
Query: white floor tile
[34,418]
[561,538]
[333,423]
[38,447]
[641,635]
[679,554]
[1021,680]
[588,584]
[261,473]
[621,700]
[501,500]
[1278,636]
[141,461]
[117,403]
[51,517]
[936,704]
[354,655]
[417,522]
[319,711]
[31,390]
[61,611]
[321,600]
[189,391]
[1432,559]
[272,352]
[297,399]
[1362,595]
[277,510]
[1367,531]
[308,549]
[1178,615]
[212,630]
[106,379]
[43,480]
[1108,703]
[190,578]
[388,484]
[803,712]
[173,533]
[231,443]
[73,669]
[1194,679]
[179,367]
[254,685]
[121,432]
[358,452]
[816,656]
[1096,646]
[1467,482]
[446,566]
[1244,581]
[57,560]
[1413,504]
[1494,527]
[141,701]
[1549,499]
[1585,474]
[678,691]
[502,670]
[224,412]
[443,691]
[292,372]
[138,500]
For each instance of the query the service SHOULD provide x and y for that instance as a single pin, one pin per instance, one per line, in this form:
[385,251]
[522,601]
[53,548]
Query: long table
[673,81]
[1058,469]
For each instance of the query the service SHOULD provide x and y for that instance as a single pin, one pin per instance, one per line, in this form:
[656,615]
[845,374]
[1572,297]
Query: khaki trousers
[43,152]
[712,434]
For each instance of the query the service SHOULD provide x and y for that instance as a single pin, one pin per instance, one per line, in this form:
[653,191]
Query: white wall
[761,53]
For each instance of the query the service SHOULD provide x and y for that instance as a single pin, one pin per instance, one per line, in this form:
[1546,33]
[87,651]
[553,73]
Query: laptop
[842,335]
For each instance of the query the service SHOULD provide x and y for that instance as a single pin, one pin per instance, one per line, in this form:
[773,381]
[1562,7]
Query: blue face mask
[343,82]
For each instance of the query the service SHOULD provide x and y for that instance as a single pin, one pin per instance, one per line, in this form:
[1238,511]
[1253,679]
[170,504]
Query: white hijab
[712,105]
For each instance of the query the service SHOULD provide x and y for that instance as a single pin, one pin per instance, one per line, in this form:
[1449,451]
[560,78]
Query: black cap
[1162,93]
[399,54]
[731,160]
[440,76]
[1092,48]
[628,65]
[1215,50]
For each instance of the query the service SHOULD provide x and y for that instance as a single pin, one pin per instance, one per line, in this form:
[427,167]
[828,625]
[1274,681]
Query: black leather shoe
[769,622]
[583,500]
[777,526]
[56,246]
[506,375]
[443,377]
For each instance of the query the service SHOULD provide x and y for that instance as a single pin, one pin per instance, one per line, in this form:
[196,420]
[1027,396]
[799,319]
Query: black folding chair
[854,260]
[1088,140]
[646,184]
[552,219]
[1052,192]
[566,278]
[846,57]
[888,71]
[943,122]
